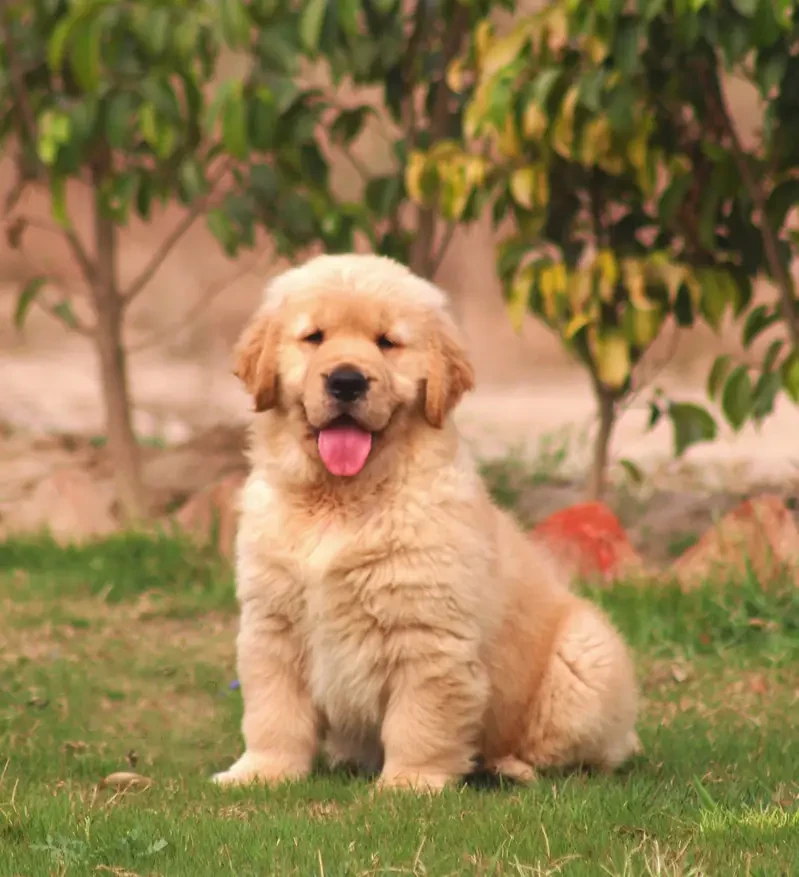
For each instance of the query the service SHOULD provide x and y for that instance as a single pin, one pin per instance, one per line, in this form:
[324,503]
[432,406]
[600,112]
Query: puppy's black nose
[347,384]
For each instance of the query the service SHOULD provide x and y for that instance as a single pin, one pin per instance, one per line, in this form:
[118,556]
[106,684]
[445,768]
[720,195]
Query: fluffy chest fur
[366,588]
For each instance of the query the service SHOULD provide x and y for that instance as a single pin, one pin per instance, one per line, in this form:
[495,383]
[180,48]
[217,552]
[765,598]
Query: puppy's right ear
[255,358]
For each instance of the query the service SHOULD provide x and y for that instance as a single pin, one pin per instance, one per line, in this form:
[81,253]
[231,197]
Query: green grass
[121,654]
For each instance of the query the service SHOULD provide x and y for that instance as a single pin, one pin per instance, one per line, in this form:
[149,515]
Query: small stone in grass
[123,779]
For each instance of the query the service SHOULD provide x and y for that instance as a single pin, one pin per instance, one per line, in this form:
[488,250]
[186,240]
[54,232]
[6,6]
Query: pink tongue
[344,449]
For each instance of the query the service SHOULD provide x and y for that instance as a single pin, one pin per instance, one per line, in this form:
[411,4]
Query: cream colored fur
[397,615]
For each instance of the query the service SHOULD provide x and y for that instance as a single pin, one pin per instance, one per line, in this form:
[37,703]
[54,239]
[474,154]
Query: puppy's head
[348,348]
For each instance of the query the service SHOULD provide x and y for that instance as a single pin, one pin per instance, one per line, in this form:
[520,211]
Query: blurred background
[438,89]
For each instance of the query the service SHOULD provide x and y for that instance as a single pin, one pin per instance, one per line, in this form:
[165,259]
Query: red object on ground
[591,539]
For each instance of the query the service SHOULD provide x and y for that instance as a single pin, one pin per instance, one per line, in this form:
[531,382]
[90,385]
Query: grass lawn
[120,656]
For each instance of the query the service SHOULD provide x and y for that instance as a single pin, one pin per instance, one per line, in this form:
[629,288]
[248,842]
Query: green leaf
[191,180]
[118,195]
[757,322]
[235,23]
[714,297]
[773,352]
[735,39]
[383,195]
[156,30]
[119,113]
[790,376]
[672,198]
[84,56]
[217,104]
[347,14]
[544,83]
[311,20]
[747,8]
[634,473]
[27,297]
[764,394]
[262,119]
[683,307]
[627,45]
[348,125]
[783,198]
[144,196]
[655,413]
[736,400]
[692,425]
[222,230]
[717,374]
[770,68]
[234,125]
[58,201]
[57,46]
[264,184]
[63,310]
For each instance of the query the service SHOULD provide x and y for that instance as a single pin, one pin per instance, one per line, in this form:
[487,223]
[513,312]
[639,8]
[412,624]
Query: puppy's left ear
[255,357]
[449,372]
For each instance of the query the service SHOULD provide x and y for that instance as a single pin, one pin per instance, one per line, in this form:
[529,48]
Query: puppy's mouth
[344,446]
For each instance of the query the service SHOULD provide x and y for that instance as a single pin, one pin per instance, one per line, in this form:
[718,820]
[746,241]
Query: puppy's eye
[316,337]
[385,343]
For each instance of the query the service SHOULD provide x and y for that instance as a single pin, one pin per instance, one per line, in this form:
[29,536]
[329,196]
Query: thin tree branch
[446,240]
[753,186]
[423,261]
[171,240]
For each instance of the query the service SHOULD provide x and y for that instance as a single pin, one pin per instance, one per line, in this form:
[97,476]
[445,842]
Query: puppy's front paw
[256,768]
[414,780]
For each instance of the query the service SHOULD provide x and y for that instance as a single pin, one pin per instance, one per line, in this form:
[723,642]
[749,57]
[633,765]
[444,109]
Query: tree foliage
[127,100]
[602,131]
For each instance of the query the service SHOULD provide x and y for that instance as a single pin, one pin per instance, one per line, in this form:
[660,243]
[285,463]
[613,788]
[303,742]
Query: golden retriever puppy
[388,608]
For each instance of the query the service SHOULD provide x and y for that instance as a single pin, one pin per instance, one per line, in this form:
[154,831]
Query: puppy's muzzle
[346,384]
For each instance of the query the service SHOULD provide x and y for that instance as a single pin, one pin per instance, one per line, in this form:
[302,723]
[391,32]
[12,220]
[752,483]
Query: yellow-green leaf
[455,75]
[84,57]
[612,354]
[714,297]
[534,121]
[563,132]
[523,184]
[502,51]
[790,376]
[234,21]
[520,295]
[608,273]
[645,325]
[508,139]
[577,322]
[312,16]
[596,142]
[414,170]
[57,47]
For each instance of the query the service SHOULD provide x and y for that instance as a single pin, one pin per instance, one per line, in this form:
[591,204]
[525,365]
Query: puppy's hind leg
[585,710]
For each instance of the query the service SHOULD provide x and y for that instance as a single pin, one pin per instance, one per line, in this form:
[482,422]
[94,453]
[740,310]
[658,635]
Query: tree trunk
[423,248]
[606,410]
[109,311]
